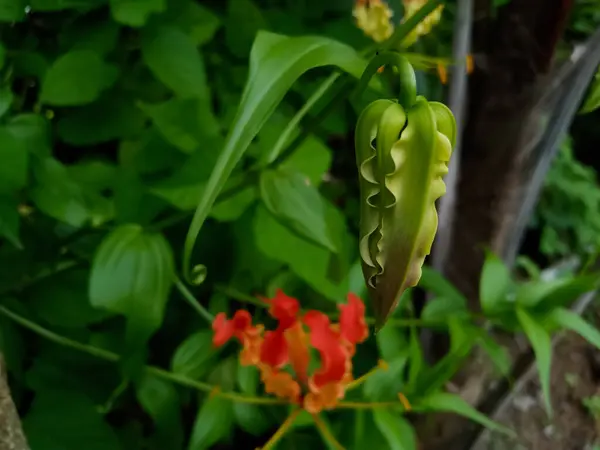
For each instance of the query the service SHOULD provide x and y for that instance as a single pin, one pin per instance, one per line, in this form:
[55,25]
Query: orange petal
[443,73]
[280,384]
[325,397]
[299,357]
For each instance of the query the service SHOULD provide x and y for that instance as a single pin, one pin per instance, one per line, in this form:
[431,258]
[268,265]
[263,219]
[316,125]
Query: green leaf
[59,5]
[135,13]
[276,62]
[234,206]
[84,34]
[247,379]
[391,342]
[32,131]
[76,78]
[592,100]
[111,117]
[12,10]
[547,295]
[175,61]
[398,432]
[186,123]
[198,22]
[571,321]
[62,300]
[441,308]
[67,420]
[12,347]
[6,99]
[497,353]
[213,423]
[244,20]
[159,398]
[59,196]
[321,269]
[9,220]
[494,284]
[297,204]
[132,275]
[433,281]
[312,158]
[542,347]
[384,385]
[194,356]
[15,161]
[252,418]
[445,402]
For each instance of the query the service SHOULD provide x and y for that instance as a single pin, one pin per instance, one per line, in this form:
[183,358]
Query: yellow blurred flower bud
[374,18]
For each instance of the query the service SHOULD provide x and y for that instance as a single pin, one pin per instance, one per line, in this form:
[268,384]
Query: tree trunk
[519,46]
[11,433]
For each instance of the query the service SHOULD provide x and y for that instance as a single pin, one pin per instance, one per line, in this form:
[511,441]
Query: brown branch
[11,432]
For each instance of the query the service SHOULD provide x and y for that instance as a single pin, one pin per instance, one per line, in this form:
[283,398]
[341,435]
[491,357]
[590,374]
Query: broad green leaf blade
[572,321]
[61,197]
[188,123]
[297,204]
[391,342]
[445,402]
[194,356]
[175,61]
[322,270]
[12,10]
[213,423]
[276,62]
[244,20]
[433,281]
[494,283]
[62,300]
[198,22]
[440,309]
[398,432]
[77,78]
[253,419]
[160,400]
[135,13]
[15,162]
[9,220]
[542,347]
[67,420]
[384,385]
[132,273]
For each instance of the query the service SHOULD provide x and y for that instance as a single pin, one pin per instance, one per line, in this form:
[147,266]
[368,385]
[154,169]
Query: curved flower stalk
[283,355]
[402,152]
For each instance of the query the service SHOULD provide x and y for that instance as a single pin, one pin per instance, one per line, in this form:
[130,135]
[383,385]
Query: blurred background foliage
[112,117]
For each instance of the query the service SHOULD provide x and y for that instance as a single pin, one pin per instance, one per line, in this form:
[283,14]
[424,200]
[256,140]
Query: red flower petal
[285,309]
[223,329]
[352,320]
[274,349]
[334,356]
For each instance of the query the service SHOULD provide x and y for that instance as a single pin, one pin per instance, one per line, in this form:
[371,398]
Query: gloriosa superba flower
[374,17]
[403,149]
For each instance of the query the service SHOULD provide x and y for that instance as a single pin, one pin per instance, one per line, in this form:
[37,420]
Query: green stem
[153,370]
[192,301]
[326,433]
[285,426]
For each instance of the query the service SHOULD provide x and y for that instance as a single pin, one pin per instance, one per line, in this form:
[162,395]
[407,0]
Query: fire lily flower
[282,355]
[288,347]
